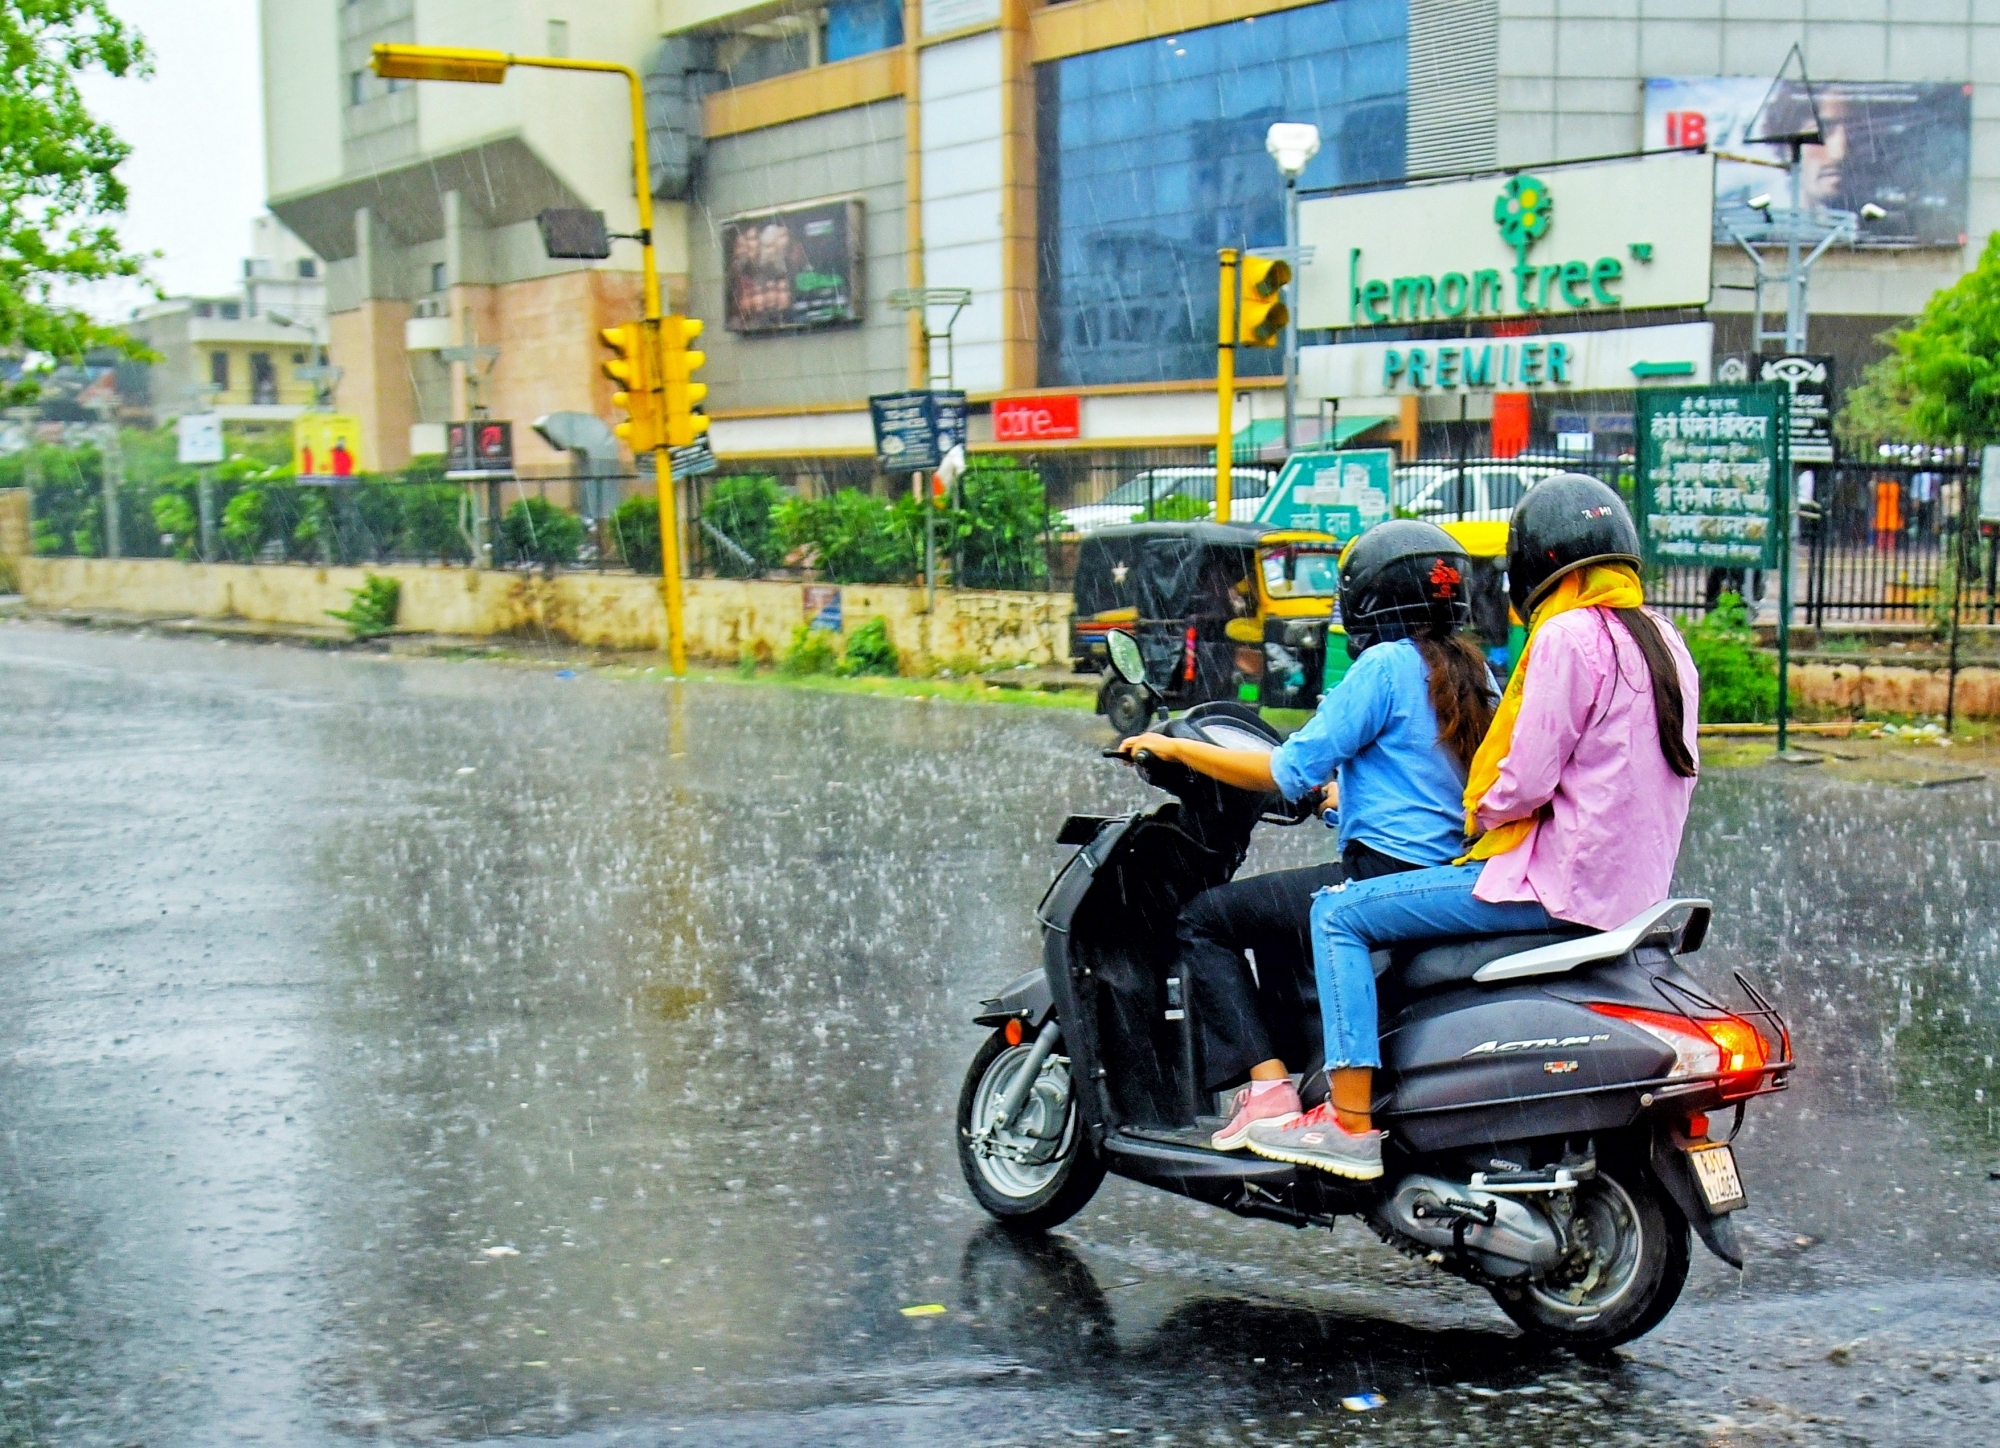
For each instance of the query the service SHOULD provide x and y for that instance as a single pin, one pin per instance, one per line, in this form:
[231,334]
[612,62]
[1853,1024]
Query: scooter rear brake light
[1722,1046]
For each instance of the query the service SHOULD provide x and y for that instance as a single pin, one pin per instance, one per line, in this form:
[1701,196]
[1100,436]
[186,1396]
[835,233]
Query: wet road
[418,1051]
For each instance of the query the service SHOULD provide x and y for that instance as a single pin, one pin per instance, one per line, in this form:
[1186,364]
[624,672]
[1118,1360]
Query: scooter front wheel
[1627,1263]
[1040,1170]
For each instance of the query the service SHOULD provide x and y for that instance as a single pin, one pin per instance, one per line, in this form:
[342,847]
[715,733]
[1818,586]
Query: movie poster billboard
[1904,146]
[793,269]
[326,447]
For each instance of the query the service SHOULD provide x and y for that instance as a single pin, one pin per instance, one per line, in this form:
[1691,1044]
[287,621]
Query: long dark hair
[1669,702]
[1461,693]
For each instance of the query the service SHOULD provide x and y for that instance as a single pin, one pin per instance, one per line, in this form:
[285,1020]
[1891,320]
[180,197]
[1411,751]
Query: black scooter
[1547,1097]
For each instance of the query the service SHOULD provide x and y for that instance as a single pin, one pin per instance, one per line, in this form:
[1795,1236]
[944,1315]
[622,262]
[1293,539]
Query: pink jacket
[1586,757]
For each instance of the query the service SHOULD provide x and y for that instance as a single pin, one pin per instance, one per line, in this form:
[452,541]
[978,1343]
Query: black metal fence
[1892,539]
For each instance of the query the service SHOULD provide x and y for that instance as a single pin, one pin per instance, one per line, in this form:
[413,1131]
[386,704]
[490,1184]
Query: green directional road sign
[1340,492]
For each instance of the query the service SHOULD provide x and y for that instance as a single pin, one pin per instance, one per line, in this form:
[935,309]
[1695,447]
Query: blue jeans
[1350,920]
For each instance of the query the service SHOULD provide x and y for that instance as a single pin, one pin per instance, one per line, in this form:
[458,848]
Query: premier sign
[1589,238]
[1615,359]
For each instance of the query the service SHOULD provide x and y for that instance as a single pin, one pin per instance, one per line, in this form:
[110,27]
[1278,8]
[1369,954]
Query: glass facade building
[1152,158]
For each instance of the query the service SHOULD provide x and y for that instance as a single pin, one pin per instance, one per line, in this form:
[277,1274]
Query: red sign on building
[1036,419]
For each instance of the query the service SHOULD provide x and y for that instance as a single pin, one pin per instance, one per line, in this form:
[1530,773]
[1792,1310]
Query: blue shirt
[1401,791]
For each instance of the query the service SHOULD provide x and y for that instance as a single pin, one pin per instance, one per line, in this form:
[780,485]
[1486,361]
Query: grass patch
[957,691]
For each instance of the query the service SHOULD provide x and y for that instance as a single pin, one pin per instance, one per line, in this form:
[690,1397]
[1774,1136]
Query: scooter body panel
[1482,1064]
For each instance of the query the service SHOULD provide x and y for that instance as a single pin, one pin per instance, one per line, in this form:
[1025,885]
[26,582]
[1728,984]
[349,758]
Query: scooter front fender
[1027,998]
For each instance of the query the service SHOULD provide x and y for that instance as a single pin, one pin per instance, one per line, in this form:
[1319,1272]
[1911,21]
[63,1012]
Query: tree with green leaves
[1942,382]
[59,183]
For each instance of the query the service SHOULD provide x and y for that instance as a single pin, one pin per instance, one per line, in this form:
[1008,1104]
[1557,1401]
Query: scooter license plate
[1715,1171]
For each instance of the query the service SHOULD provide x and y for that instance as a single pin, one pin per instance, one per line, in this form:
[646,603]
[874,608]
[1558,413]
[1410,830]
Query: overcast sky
[196,172]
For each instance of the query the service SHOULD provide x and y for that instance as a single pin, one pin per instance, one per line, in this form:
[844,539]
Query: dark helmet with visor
[1561,524]
[1402,579]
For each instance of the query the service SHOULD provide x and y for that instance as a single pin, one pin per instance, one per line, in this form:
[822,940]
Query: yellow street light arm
[490,67]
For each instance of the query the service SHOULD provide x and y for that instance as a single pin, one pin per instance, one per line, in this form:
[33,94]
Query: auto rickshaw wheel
[1127,708]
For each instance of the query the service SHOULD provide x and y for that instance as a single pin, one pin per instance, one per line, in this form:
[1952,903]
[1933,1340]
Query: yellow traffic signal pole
[489,67]
[1225,385]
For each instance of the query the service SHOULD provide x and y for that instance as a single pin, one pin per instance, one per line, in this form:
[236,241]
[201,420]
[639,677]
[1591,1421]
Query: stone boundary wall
[599,610]
[1897,689]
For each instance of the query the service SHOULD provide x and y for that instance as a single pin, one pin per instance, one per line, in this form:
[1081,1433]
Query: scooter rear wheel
[1040,1172]
[1626,1276]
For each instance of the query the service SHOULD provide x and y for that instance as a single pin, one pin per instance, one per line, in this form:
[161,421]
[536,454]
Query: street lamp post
[1292,145]
[489,67]
[1755,225]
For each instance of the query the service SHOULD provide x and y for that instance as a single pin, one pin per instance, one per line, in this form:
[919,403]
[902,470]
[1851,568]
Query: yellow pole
[1225,385]
[428,62]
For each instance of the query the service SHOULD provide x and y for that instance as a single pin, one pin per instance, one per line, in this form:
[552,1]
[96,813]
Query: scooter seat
[1428,964]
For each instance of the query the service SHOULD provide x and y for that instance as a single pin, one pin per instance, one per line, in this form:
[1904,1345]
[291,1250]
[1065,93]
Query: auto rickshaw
[1220,611]
[1485,543]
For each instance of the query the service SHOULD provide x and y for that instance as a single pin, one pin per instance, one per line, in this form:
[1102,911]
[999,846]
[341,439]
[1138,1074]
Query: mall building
[1074,167]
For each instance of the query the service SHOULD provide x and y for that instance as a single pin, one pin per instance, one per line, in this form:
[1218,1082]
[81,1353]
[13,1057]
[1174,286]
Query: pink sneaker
[1317,1139]
[1276,1101]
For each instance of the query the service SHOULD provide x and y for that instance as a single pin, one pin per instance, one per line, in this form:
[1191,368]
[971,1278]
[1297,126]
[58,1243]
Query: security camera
[1872,212]
[1760,203]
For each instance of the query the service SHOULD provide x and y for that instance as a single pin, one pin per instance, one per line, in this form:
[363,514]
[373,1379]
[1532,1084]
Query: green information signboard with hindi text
[1712,472]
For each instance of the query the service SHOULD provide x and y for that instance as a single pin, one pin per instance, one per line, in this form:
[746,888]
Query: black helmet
[1402,579]
[1562,524]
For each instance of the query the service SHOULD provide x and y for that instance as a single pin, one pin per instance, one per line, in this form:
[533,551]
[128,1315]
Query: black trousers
[1241,1018]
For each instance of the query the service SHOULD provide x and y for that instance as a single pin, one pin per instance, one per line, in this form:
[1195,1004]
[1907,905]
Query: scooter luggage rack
[1773,1075]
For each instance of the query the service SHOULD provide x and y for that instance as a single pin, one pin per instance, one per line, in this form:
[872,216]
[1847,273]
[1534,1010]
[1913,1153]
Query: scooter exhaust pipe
[1024,1080]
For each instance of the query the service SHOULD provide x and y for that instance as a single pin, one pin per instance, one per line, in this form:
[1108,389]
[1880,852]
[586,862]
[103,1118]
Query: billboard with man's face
[793,269]
[1904,146]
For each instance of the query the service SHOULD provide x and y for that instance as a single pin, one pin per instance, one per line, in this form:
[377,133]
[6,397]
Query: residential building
[240,353]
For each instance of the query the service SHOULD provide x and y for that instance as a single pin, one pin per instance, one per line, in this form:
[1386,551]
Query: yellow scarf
[1603,585]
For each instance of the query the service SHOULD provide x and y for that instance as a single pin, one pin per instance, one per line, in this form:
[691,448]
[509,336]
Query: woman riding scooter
[1578,797]
[1399,731]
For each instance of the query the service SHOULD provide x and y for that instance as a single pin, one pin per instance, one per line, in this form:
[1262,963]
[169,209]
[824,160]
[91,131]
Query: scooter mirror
[1125,658]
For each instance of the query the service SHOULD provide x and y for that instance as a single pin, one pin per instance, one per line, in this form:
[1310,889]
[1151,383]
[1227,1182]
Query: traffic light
[678,364]
[638,393]
[1260,320]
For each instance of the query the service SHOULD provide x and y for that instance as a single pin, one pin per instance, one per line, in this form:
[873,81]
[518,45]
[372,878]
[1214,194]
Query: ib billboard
[794,269]
[1904,146]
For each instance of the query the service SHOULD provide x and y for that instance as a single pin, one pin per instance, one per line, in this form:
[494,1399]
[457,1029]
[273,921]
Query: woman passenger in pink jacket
[1575,801]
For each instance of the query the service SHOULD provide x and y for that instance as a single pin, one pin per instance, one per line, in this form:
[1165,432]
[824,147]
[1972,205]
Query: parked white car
[1488,494]
[1122,503]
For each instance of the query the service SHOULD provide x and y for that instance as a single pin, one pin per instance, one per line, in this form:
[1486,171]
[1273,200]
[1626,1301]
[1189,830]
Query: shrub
[175,517]
[813,651]
[1739,684]
[313,534]
[243,522]
[1177,508]
[739,508]
[535,530]
[869,651]
[999,532]
[372,607]
[434,524]
[854,537]
[635,533]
